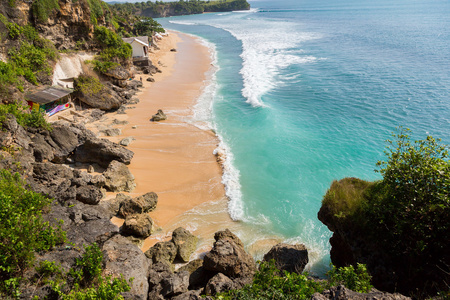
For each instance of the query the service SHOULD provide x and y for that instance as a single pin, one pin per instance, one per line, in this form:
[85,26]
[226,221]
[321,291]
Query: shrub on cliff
[22,229]
[24,116]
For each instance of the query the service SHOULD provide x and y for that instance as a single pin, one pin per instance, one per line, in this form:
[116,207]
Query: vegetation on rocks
[24,116]
[22,230]
[42,9]
[88,85]
[406,212]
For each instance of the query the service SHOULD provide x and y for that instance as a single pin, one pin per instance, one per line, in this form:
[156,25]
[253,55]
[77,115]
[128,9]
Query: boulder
[156,274]
[164,252]
[138,225]
[102,152]
[123,257]
[159,116]
[112,205]
[118,178]
[219,284]
[42,151]
[150,79]
[189,295]
[89,194]
[175,284]
[291,258]
[185,242]
[104,99]
[142,204]
[229,257]
[65,142]
[112,132]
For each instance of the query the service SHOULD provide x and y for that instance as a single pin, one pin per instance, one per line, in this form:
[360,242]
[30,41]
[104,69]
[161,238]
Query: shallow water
[305,92]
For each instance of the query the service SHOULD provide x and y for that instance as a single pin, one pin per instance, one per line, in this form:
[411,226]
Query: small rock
[118,177]
[89,194]
[159,116]
[126,141]
[186,243]
[138,205]
[134,127]
[173,50]
[90,169]
[151,79]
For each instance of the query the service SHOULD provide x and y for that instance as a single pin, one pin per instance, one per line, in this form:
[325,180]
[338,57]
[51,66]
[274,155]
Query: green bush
[357,280]
[87,85]
[24,116]
[89,267]
[268,284]
[42,8]
[22,230]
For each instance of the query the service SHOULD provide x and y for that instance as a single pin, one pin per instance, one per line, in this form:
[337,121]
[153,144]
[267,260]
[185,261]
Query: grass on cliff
[30,59]
[87,85]
[24,116]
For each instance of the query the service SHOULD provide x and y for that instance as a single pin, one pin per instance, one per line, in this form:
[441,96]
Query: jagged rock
[198,277]
[138,225]
[291,258]
[102,152]
[229,257]
[343,293]
[14,133]
[112,132]
[119,122]
[150,79]
[135,84]
[118,177]
[218,284]
[98,180]
[142,204]
[91,169]
[126,141]
[133,101]
[89,194]
[65,142]
[159,116]
[123,257]
[104,99]
[81,178]
[42,151]
[164,252]
[118,72]
[112,205]
[185,242]
[154,281]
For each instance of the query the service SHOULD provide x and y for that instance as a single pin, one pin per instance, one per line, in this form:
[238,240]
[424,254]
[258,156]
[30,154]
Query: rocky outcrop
[291,258]
[162,252]
[123,257]
[118,72]
[103,99]
[185,242]
[102,152]
[229,258]
[159,116]
[219,284]
[141,204]
[343,293]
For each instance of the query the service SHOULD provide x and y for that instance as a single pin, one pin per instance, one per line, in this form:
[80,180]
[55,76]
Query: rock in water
[118,177]
[159,116]
[291,258]
[186,243]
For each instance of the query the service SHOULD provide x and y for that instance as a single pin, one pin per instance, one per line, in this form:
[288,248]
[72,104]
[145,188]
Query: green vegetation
[159,9]
[24,116]
[29,60]
[87,85]
[42,8]
[269,284]
[406,212]
[88,282]
[115,51]
[22,230]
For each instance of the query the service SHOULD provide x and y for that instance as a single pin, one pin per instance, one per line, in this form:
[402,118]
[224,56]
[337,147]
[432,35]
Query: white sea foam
[182,23]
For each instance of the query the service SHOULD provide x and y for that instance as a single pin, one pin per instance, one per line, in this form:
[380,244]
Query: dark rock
[142,204]
[102,152]
[118,177]
[97,231]
[133,101]
[138,225]
[173,50]
[175,284]
[229,257]
[164,252]
[150,79]
[42,151]
[343,293]
[112,132]
[189,295]
[219,284]
[112,205]
[154,281]
[159,116]
[291,258]
[91,169]
[89,194]
[66,141]
[135,84]
[104,99]
[123,257]
[198,277]
[185,242]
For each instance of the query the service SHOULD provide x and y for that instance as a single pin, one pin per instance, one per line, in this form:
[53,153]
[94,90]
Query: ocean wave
[182,23]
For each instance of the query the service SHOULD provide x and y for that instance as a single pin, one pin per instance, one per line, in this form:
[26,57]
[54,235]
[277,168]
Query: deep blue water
[308,91]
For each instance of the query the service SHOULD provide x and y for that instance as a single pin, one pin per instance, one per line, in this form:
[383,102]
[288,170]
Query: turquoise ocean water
[307,91]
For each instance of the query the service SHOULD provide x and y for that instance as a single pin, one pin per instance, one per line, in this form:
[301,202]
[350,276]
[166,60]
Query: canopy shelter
[50,100]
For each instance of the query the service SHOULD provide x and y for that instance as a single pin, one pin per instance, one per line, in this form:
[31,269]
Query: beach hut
[50,100]
[139,44]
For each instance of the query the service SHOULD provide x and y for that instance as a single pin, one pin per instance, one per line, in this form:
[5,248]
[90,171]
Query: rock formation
[291,258]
